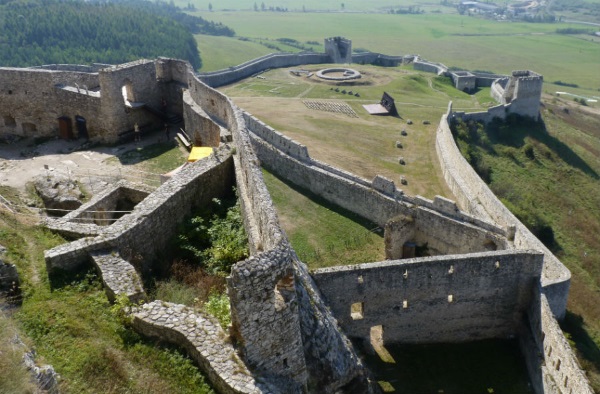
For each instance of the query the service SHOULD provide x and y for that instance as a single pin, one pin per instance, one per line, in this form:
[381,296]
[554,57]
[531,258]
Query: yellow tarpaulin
[199,152]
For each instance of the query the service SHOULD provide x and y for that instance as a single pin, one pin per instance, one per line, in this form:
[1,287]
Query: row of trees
[35,32]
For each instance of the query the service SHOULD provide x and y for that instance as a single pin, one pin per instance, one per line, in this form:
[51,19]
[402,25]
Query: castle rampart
[476,197]
[272,293]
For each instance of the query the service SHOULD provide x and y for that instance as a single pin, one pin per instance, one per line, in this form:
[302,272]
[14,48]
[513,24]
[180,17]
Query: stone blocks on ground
[118,277]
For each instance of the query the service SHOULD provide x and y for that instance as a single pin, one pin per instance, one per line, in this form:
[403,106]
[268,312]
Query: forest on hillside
[36,32]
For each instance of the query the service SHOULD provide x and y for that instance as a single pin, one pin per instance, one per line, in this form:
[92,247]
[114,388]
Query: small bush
[218,306]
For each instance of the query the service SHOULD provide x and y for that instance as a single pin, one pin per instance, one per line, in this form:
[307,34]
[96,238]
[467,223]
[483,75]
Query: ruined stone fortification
[291,328]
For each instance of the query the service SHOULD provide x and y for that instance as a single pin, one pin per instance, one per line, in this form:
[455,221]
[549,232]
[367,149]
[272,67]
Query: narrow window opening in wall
[10,92]
[405,275]
[497,265]
[566,380]
[450,298]
[212,102]
[127,92]
[360,279]
[285,292]
[285,363]
[405,304]
[558,365]
[451,270]
[9,121]
[549,351]
[357,311]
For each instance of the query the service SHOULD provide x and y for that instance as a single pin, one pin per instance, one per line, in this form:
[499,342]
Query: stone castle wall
[307,350]
[25,94]
[441,299]
[377,201]
[144,233]
[298,358]
[476,197]
[90,92]
[273,60]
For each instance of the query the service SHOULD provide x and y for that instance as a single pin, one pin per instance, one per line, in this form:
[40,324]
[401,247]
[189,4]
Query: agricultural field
[455,40]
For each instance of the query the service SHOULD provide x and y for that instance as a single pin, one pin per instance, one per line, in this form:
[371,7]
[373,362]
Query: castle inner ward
[488,276]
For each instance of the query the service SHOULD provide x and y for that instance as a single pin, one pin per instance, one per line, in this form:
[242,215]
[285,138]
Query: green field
[454,40]
[315,5]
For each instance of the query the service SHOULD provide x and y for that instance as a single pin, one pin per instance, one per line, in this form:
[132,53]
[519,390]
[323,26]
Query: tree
[262,6]
[343,6]
[255,7]
[210,7]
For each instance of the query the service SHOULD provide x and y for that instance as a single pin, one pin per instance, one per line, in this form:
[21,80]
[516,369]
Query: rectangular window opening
[356,311]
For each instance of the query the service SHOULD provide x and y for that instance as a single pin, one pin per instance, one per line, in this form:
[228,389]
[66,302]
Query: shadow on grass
[485,366]
[573,324]
[84,276]
[515,129]
[147,152]
[365,223]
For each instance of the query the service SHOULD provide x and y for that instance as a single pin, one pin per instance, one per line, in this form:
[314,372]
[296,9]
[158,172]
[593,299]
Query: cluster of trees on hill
[36,32]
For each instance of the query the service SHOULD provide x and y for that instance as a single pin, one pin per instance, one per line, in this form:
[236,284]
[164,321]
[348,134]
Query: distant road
[583,23]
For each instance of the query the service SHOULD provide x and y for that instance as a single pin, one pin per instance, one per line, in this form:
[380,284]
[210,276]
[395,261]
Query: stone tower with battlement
[339,49]
[523,91]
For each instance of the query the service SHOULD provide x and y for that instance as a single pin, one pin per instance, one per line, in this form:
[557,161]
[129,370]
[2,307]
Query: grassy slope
[221,52]
[322,234]
[72,326]
[363,145]
[559,182]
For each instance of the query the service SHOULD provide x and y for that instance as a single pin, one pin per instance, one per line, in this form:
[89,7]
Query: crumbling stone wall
[93,93]
[436,299]
[200,127]
[265,318]
[464,80]
[146,231]
[25,95]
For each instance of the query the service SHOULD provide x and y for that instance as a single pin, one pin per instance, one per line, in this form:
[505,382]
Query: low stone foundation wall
[204,340]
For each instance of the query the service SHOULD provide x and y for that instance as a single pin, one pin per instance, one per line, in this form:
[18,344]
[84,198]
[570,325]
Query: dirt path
[20,162]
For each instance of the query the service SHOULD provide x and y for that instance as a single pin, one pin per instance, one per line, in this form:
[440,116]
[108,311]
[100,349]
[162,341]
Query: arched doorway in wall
[127,91]
[81,125]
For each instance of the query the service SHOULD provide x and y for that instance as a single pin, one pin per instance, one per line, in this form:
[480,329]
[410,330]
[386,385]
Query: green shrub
[218,306]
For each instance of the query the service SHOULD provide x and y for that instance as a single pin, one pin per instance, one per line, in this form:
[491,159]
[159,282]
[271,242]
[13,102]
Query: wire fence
[94,181]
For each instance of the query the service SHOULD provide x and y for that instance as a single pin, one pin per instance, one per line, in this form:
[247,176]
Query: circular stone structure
[338,74]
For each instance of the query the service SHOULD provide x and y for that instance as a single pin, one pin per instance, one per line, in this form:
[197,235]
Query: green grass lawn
[323,235]
[73,328]
[492,366]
